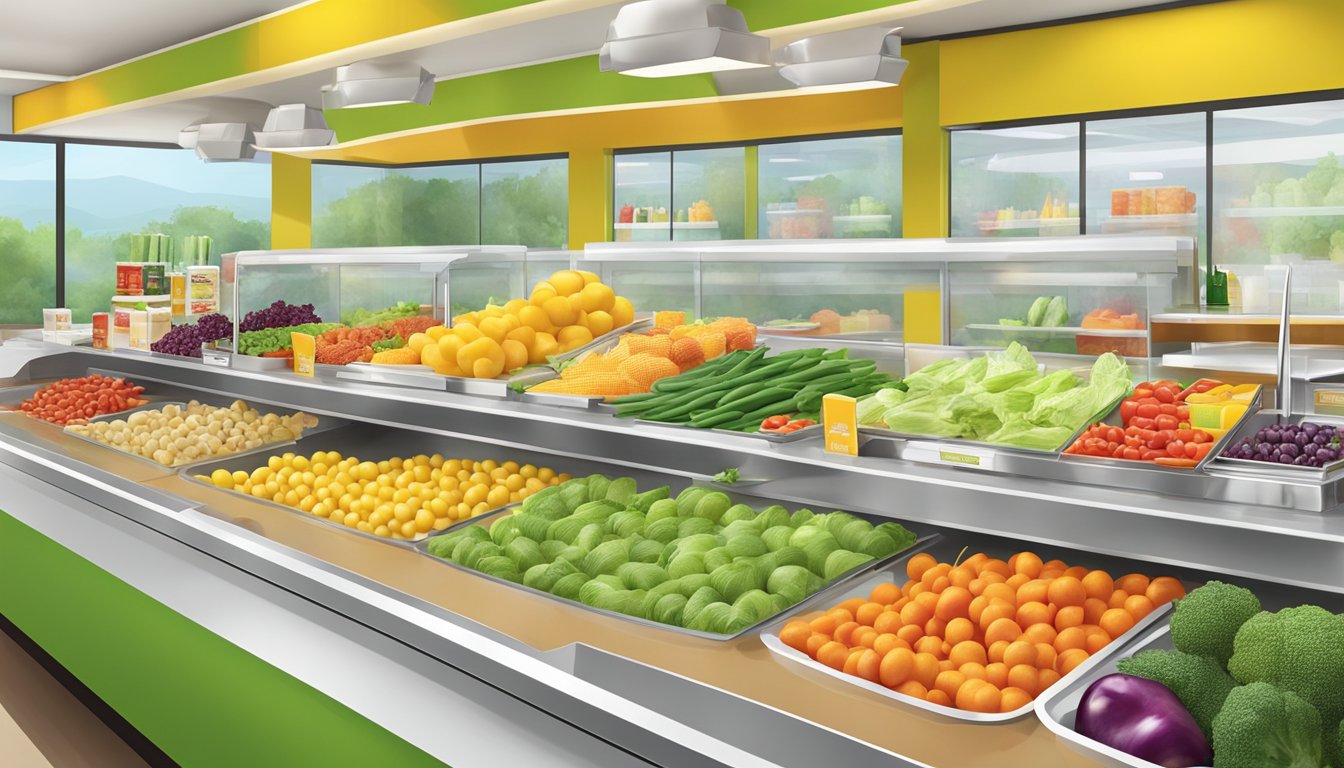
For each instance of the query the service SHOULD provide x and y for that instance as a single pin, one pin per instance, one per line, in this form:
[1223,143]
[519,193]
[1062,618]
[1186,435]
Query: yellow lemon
[449,345]
[535,318]
[511,321]
[418,341]
[515,306]
[573,337]
[467,317]
[567,282]
[560,311]
[597,297]
[589,277]
[515,354]
[437,332]
[494,327]
[544,346]
[600,323]
[524,335]
[491,310]
[622,312]
[467,332]
[481,350]
[543,292]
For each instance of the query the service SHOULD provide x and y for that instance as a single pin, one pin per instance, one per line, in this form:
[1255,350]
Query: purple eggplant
[1142,718]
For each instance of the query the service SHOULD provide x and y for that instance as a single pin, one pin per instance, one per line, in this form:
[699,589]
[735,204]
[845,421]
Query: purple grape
[278,315]
[1310,429]
[186,340]
[1289,449]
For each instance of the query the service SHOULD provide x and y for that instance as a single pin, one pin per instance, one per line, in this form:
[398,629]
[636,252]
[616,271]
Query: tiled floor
[42,725]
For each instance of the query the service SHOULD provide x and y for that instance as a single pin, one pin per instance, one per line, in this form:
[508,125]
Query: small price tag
[1329,398]
[305,354]
[840,420]
[957,456]
[215,357]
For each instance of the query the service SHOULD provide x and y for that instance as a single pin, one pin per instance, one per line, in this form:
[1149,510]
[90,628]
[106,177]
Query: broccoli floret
[1205,621]
[1297,649]
[1199,682]
[1261,726]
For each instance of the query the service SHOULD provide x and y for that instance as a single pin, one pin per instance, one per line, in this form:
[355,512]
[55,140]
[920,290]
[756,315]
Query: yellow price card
[840,420]
[305,354]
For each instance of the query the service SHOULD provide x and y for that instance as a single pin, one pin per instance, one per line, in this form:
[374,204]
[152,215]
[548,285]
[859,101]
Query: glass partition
[28,231]
[361,206]
[690,194]
[643,197]
[844,188]
[525,202]
[1278,193]
[1016,182]
[1148,175]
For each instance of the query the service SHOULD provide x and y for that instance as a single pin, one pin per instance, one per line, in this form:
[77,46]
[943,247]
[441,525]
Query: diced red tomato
[1167,421]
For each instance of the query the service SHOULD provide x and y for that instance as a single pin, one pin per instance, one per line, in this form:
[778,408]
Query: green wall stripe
[557,85]
[770,14]
[202,700]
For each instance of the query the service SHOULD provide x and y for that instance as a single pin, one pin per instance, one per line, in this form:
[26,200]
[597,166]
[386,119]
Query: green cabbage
[533,525]
[746,545]
[754,604]
[800,517]
[817,549]
[717,558]
[503,530]
[605,558]
[645,501]
[738,513]
[646,551]
[591,591]
[596,511]
[565,529]
[668,609]
[693,525]
[641,575]
[716,618]
[552,549]
[791,582]
[841,562]
[663,529]
[790,555]
[687,499]
[684,564]
[622,491]
[692,582]
[589,536]
[569,586]
[698,601]
[713,505]
[524,553]
[597,487]
[500,567]
[733,579]
[661,510]
[573,494]
[772,516]
[851,536]
[776,537]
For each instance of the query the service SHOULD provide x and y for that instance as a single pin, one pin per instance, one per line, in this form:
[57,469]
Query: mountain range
[115,203]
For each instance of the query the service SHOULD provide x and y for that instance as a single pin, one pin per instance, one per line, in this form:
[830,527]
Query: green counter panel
[202,700]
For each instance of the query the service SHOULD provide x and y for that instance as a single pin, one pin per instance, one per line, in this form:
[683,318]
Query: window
[844,187]
[1148,175]
[525,202]
[687,194]
[1016,182]
[1278,196]
[114,192]
[27,230]
[356,206]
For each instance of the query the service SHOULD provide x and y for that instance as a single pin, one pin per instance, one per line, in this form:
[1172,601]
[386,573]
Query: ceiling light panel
[668,38]
[377,84]
[852,59]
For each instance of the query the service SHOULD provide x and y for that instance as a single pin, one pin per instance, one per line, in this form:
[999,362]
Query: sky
[176,168]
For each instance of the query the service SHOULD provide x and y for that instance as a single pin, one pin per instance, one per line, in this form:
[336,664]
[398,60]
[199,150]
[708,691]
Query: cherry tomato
[1160,440]
[1183,412]
[1150,454]
[1127,408]
[1143,423]
[1191,450]
[1185,435]
[1201,436]
[1164,395]
[1166,421]
[1142,391]
[1133,454]
[1115,435]
[1202,450]
[1118,452]
[774,423]
[1148,411]
[805,422]
[1168,408]
[1176,449]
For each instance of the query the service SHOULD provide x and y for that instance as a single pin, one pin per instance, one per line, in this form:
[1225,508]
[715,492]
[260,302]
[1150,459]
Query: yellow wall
[1218,51]
[291,202]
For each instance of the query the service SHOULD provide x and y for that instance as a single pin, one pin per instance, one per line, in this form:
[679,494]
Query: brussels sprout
[596,511]
[687,500]
[776,537]
[738,513]
[591,591]
[664,530]
[842,561]
[504,530]
[790,582]
[534,526]
[569,586]
[851,535]
[688,584]
[605,558]
[876,544]
[800,518]
[712,505]
[747,545]
[622,491]
[790,555]
[552,549]
[661,510]
[590,536]
[817,549]
[524,553]
[755,604]
[644,501]
[717,558]
[668,609]
[500,567]
[641,575]
[733,579]
[597,487]
[690,526]
[702,597]
[646,551]
[565,529]
[772,516]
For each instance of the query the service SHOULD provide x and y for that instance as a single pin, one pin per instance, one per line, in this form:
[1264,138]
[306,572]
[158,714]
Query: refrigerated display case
[1278,195]
[1016,182]
[848,187]
[1147,175]
[690,194]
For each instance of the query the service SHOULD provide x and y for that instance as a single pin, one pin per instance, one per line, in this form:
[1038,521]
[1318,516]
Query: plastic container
[102,330]
[202,290]
[58,319]
[177,291]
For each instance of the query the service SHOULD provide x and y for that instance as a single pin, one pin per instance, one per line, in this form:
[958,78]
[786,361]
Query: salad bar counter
[697,621]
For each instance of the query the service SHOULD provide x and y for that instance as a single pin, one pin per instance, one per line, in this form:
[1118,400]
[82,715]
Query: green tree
[29,258]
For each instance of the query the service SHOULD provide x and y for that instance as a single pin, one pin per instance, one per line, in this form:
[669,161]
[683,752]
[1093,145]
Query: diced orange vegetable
[668,319]
[686,353]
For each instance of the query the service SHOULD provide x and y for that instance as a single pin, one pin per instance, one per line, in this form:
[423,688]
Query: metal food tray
[488,518]
[189,474]
[258,363]
[324,424]
[1057,707]
[947,550]
[883,433]
[1254,422]
[815,430]
[643,321]
[1113,419]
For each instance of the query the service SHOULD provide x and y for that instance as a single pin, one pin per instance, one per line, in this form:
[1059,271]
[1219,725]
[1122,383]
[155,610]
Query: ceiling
[41,37]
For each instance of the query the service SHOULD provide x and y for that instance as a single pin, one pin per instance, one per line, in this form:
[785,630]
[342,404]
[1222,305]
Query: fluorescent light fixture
[786,160]
[741,82]
[631,164]
[377,84]
[813,177]
[225,142]
[292,126]
[667,38]
[186,138]
[1145,176]
[852,59]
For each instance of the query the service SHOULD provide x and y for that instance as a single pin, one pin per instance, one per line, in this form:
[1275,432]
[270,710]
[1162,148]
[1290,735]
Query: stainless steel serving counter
[603,684]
